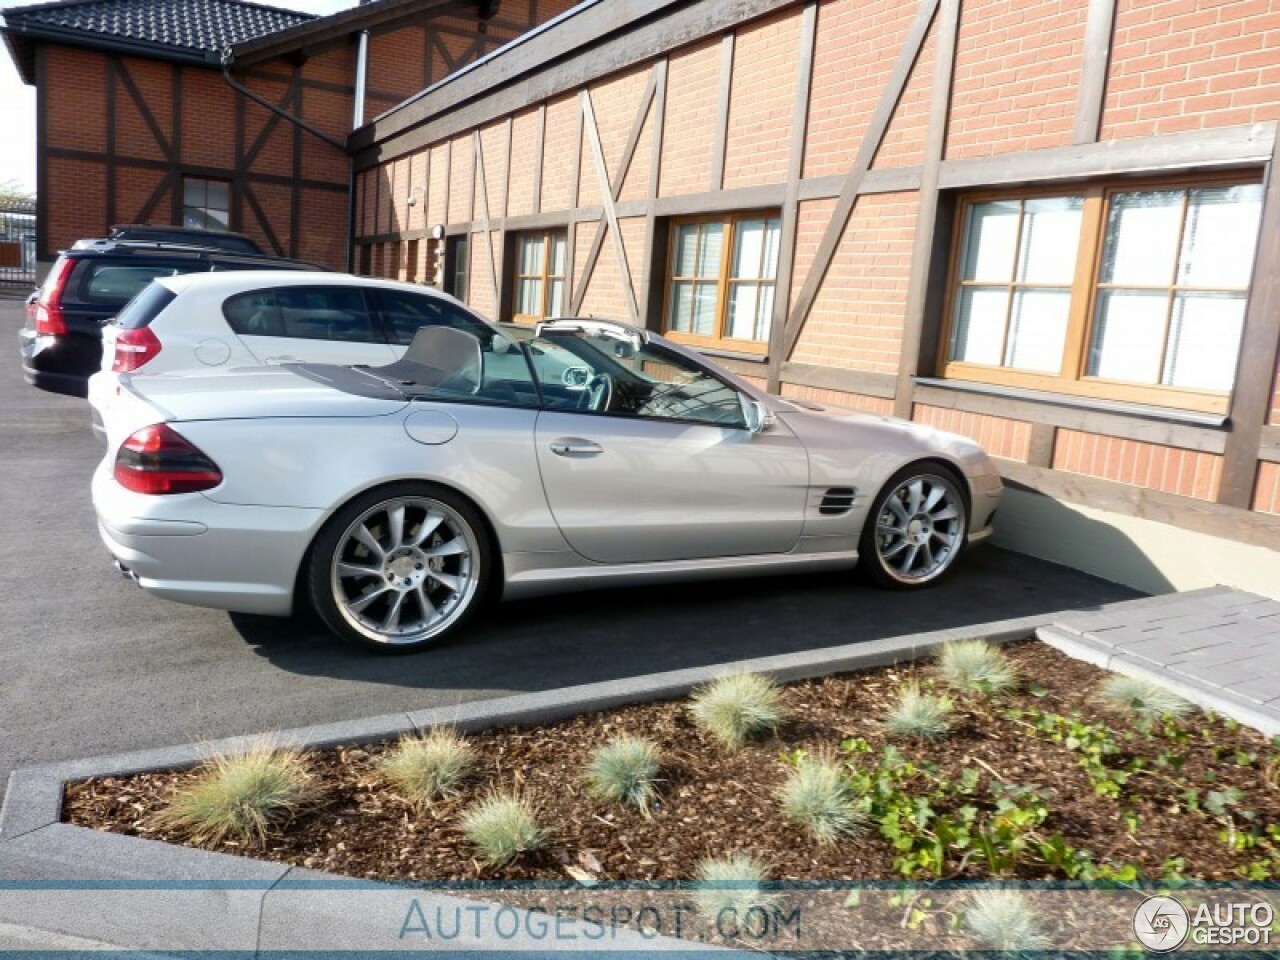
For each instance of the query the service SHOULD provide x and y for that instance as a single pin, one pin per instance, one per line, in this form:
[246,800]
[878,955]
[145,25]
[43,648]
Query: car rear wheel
[400,568]
[916,527]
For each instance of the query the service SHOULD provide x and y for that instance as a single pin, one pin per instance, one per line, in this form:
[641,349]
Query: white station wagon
[209,322]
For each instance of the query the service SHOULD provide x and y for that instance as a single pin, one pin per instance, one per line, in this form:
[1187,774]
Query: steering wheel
[598,393]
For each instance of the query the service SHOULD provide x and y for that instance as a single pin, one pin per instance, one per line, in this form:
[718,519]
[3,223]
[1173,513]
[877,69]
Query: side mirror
[756,415]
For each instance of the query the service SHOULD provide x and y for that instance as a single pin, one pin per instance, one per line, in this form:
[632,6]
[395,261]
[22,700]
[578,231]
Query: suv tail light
[134,348]
[159,460]
[47,308]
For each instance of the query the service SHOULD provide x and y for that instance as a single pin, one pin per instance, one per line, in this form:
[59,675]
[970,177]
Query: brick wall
[1189,64]
[1152,466]
[692,80]
[839,398]
[1267,492]
[757,147]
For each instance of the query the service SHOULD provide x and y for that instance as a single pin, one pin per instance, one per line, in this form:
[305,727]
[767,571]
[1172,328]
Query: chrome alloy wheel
[920,528]
[405,570]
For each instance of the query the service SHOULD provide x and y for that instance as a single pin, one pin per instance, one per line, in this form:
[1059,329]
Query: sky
[18,102]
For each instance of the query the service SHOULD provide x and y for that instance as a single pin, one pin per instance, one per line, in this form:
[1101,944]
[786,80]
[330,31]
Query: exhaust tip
[125,571]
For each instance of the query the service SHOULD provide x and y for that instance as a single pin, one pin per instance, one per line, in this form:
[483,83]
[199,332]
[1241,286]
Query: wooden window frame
[1072,377]
[546,276]
[725,280]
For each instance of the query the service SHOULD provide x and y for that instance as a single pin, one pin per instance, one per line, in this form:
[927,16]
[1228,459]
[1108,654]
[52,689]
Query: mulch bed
[716,801]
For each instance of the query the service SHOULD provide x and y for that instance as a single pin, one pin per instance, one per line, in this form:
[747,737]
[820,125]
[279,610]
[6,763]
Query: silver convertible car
[397,500]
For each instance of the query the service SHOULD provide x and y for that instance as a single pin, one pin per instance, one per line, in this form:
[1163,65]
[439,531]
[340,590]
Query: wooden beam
[175,196]
[924,248]
[149,118]
[1259,346]
[480,188]
[1187,513]
[111,66]
[1091,92]
[1214,148]
[865,382]
[539,147]
[1061,411]
[611,213]
[263,220]
[1044,436]
[720,140]
[651,273]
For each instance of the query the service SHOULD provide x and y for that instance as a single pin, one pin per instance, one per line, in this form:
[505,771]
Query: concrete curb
[1084,647]
[248,909]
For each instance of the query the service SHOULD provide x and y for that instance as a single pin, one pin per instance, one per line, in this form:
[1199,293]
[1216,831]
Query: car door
[308,324]
[669,470]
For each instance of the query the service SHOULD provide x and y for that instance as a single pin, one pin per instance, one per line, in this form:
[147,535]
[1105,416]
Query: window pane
[680,317]
[1038,330]
[764,312]
[192,217]
[1204,341]
[1221,234]
[555,302]
[743,304]
[1142,238]
[559,249]
[1050,236]
[710,249]
[989,241]
[773,236]
[685,260]
[254,314]
[326,313]
[529,297]
[979,331]
[112,284]
[218,219]
[193,193]
[219,195]
[531,255]
[1128,335]
[704,308]
[748,248]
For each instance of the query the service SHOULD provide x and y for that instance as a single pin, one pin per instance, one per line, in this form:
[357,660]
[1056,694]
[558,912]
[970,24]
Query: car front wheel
[916,527]
[400,568]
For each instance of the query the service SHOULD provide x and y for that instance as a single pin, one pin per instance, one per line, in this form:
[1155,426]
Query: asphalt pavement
[90,664]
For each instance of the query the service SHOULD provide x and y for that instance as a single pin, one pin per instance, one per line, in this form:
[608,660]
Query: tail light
[159,460]
[134,348]
[47,309]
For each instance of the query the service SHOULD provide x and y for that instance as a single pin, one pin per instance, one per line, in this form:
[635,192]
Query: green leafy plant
[1004,920]
[1140,699]
[919,714]
[735,708]
[238,797]
[976,666]
[626,770]
[429,766]
[502,826]
[818,796]
[731,885]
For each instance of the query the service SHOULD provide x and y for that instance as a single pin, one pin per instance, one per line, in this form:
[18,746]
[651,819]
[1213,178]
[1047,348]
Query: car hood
[252,392]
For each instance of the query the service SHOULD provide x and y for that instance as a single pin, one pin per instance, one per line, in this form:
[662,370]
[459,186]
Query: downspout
[362,68]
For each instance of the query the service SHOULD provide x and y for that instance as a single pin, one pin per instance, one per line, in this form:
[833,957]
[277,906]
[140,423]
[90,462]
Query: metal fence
[17,242]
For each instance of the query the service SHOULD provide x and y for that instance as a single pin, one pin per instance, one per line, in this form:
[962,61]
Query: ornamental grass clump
[818,797]
[1002,920]
[429,766]
[1140,699]
[238,797]
[975,666]
[731,886]
[736,708]
[625,770]
[919,714]
[501,827]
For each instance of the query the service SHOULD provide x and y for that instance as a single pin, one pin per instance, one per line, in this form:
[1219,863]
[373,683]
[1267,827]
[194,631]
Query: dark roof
[171,29]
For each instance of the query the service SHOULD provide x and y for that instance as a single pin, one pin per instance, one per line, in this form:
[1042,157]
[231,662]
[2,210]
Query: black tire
[419,574]
[873,546]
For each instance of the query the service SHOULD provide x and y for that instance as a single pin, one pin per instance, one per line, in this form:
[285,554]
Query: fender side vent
[837,501]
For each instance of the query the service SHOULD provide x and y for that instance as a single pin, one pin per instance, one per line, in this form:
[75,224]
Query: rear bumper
[191,550]
[59,364]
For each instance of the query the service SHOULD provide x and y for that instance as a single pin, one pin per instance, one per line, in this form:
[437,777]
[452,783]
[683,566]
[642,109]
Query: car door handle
[575,447]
